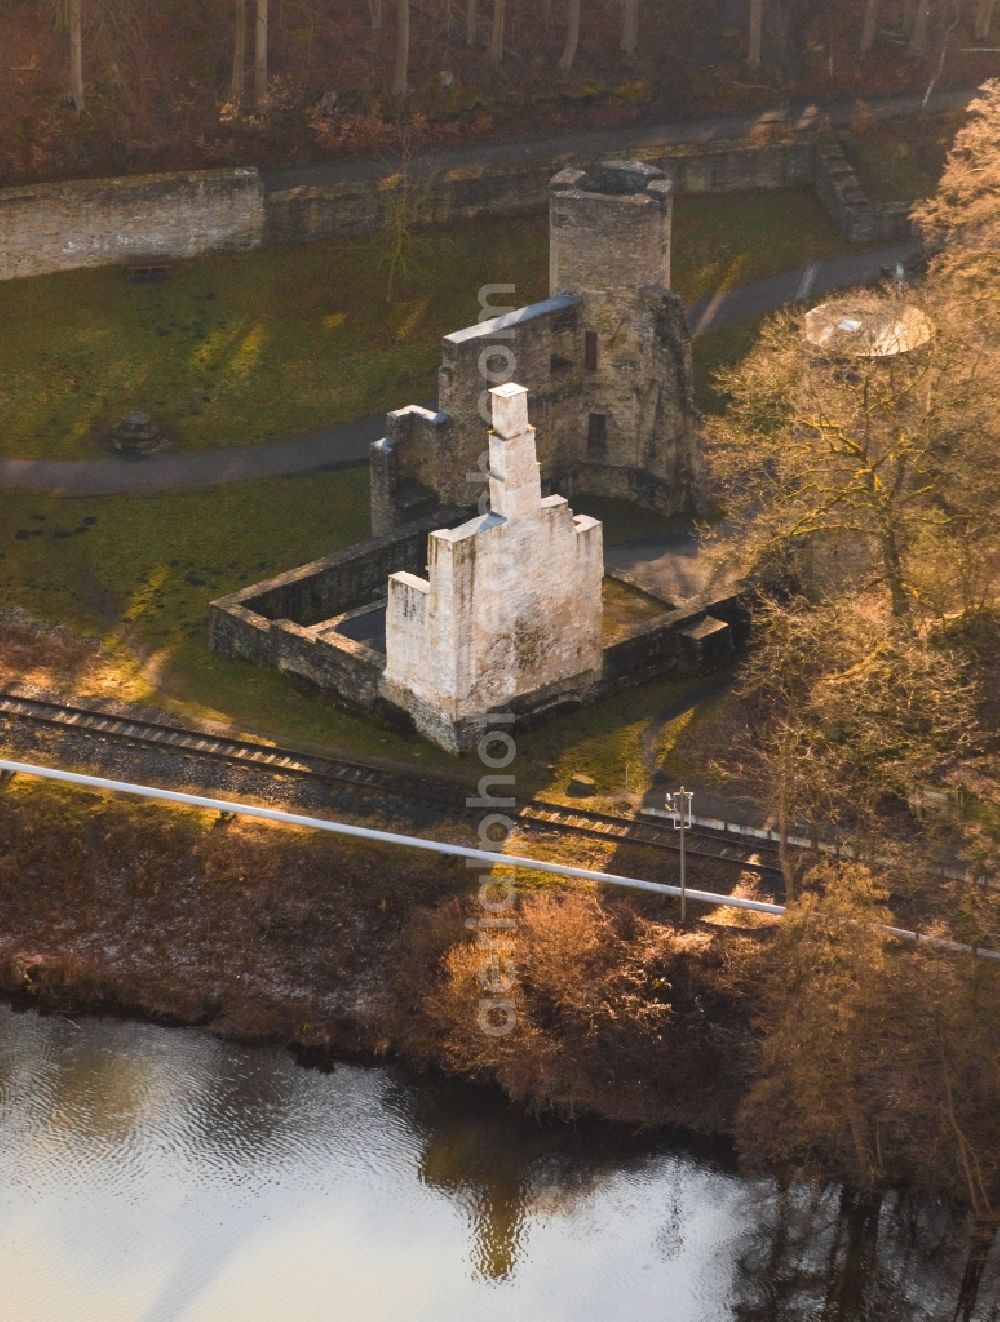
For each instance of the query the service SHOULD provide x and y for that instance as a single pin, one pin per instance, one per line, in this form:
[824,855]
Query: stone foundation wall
[97,222]
[692,641]
[55,227]
[305,213]
[325,588]
[860,218]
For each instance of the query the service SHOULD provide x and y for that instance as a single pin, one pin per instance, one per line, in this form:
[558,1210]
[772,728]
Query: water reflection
[508,1170]
[159,1174]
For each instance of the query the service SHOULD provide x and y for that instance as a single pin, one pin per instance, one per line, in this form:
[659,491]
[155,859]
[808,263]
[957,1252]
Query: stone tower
[609,228]
[510,614]
[606,359]
[609,242]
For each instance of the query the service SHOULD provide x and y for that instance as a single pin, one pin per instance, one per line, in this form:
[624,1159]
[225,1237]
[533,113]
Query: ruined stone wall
[643,388]
[512,601]
[96,222]
[238,623]
[304,213]
[603,237]
[435,458]
[608,363]
[684,642]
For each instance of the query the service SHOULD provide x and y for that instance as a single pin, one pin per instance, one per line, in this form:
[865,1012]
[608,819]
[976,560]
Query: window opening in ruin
[590,351]
[597,436]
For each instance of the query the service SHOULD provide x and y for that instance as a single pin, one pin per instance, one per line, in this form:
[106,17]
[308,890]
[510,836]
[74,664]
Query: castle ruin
[606,360]
[511,606]
[440,618]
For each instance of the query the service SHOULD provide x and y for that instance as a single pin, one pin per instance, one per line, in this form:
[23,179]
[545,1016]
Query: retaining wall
[49,228]
[343,210]
[860,218]
[95,222]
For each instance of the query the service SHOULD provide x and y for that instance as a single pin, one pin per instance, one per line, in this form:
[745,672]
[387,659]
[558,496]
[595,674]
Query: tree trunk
[260,97]
[756,33]
[76,54]
[984,17]
[572,36]
[785,860]
[496,35]
[470,22]
[375,6]
[401,81]
[918,36]
[239,81]
[630,27]
[980,1244]
[893,567]
[870,29]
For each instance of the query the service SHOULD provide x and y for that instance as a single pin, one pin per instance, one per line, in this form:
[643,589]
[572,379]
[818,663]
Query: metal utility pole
[679,803]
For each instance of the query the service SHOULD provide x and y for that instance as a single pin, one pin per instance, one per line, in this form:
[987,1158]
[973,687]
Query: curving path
[346,445]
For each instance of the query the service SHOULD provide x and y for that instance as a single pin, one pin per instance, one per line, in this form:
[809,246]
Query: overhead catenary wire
[477,857]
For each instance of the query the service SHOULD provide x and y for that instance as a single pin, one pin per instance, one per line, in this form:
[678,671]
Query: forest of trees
[98,85]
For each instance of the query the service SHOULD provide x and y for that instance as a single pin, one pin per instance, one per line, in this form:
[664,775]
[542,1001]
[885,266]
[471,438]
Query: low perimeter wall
[55,227]
[269,625]
[96,222]
[304,213]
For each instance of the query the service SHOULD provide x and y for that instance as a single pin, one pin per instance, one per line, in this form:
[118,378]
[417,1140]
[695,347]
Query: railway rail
[535,816]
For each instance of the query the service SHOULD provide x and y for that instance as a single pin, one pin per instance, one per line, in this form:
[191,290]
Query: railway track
[536,815]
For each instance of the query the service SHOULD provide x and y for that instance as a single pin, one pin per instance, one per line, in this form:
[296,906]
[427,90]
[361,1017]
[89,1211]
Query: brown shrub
[615,1014]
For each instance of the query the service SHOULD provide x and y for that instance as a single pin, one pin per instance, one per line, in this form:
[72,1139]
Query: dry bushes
[35,653]
[258,932]
[615,1014]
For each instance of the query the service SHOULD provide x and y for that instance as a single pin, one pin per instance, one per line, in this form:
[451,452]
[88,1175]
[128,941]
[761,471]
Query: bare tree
[239,78]
[869,30]
[756,31]
[984,17]
[844,709]
[845,462]
[74,14]
[572,36]
[630,27]
[496,33]
[810,1107]
[470,22]
[260,68]
[375,9]
[961,225]
[400,82]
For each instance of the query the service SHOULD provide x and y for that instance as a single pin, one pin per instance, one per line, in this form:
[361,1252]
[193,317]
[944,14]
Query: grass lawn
[721,242]
[138,573]
[619,742]
[720,348]
[245,348]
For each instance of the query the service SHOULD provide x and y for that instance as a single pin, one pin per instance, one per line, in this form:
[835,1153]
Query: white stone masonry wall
[512,601]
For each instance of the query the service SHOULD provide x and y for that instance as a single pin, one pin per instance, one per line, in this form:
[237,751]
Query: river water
[152,1174]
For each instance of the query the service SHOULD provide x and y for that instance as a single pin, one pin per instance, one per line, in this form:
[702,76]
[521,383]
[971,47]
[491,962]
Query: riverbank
[821,1047]
[268,935]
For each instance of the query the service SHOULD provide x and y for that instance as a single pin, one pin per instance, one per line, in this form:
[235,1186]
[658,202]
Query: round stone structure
[855,328]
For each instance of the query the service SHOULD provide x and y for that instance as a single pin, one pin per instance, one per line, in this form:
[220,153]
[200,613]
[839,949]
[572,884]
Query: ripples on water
[149,1174]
